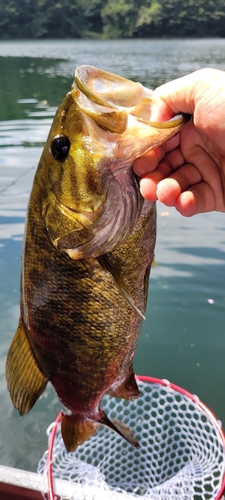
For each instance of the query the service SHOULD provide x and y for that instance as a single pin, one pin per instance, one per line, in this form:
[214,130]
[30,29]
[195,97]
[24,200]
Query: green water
[183,338]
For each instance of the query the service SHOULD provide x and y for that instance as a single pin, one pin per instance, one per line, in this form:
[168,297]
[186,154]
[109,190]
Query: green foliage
[119,18]
[148,22]
[182,18]
[63,18]
[49,18]
[111,18]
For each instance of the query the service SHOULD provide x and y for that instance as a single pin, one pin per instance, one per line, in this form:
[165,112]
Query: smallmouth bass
[88,248]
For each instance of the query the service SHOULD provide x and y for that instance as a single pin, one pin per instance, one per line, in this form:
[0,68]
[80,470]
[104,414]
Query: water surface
[183,338]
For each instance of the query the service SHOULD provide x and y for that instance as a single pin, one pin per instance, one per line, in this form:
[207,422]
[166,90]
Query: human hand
[188,171]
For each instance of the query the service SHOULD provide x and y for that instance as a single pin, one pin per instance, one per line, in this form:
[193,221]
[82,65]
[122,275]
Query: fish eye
[60,147]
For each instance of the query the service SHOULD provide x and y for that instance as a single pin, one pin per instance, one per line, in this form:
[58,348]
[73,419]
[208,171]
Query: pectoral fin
[120,283]
[24,379]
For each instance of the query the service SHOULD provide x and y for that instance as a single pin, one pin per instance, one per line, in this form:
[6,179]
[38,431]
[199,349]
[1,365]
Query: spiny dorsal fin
[25,381]
[119,281]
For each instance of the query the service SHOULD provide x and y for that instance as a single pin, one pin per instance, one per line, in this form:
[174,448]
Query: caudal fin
[74,433]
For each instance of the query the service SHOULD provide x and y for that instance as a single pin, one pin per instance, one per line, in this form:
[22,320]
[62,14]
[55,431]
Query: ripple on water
[31,429]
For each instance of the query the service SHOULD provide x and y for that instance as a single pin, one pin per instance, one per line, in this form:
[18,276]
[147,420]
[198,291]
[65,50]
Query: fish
[88,248]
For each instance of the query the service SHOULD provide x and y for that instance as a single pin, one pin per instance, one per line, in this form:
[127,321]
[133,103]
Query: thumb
[173,98]
[160,110]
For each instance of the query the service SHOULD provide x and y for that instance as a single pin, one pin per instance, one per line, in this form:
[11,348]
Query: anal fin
[75,434]
[120,428]
[25,381]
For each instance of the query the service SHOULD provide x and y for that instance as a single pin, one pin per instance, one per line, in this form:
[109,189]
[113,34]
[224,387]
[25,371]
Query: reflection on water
[183,337]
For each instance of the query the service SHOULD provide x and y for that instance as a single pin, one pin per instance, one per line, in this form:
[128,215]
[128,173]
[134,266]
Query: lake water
[183,338]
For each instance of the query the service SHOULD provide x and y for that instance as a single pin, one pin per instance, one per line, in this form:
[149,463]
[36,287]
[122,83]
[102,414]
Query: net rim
[150,380]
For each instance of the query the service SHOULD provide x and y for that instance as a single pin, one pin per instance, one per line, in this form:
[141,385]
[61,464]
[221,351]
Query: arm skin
[188,171]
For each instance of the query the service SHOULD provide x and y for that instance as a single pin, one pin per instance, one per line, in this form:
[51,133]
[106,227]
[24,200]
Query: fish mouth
[122,108]
[109,99]
[113,91]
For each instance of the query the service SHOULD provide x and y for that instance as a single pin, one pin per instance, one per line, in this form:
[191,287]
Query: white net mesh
[181,454]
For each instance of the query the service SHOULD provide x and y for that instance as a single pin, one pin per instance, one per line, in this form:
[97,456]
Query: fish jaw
[122,108]
[110,90]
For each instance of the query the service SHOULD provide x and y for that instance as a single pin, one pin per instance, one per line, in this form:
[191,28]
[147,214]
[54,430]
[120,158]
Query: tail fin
[74,433]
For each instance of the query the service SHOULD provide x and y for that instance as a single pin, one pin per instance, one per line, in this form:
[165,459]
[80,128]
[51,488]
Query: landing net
[181,454]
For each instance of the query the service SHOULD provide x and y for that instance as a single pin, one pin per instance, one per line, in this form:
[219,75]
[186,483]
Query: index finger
[174,97]
[149,161]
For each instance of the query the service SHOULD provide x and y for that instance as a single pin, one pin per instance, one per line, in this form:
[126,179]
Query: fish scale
[88,247]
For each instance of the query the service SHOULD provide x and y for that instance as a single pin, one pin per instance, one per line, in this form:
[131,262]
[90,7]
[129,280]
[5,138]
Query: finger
[172,143]
[148,162]
[170,188]
[199,199]
[174,97]
[175,159]
[149,183]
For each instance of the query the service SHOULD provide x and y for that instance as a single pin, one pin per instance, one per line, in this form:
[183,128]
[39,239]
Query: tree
[111,18]
[120,17]
[177,18]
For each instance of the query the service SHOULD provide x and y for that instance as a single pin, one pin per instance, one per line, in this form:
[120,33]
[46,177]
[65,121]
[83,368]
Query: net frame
[168,386]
